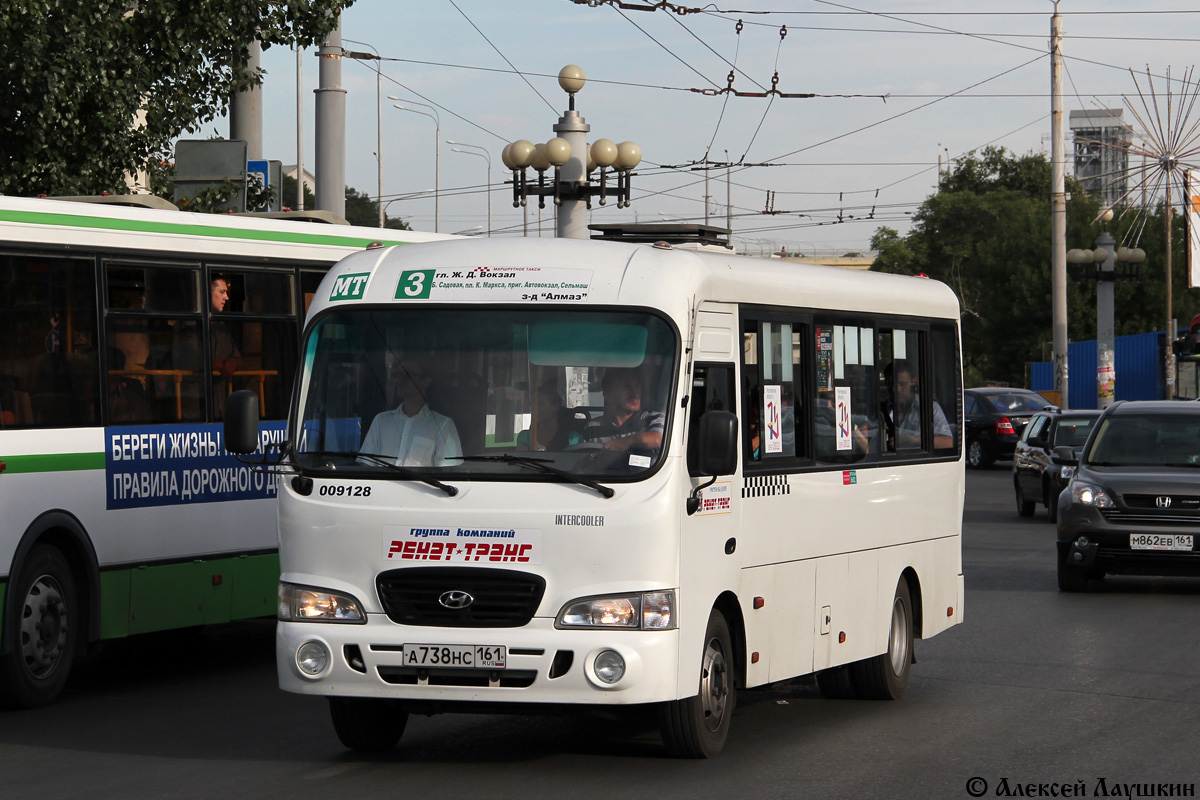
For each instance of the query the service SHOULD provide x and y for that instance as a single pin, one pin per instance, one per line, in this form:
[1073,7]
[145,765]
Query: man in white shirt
[413,435]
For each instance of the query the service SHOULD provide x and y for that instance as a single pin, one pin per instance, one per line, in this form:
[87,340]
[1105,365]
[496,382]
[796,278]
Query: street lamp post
[437,155]
[482,154]
[1105,258]
[573,162]
[378,117]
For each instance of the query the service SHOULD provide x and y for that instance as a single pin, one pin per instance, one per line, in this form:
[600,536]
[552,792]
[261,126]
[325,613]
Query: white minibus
[604,474]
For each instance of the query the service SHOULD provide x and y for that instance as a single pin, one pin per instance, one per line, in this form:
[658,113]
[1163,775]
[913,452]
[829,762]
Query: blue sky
[957,76]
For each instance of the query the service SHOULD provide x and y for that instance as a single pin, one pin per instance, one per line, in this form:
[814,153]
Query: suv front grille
[1144,509]
[501,598]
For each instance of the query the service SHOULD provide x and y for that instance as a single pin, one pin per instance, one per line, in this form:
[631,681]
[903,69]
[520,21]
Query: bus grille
[501,598]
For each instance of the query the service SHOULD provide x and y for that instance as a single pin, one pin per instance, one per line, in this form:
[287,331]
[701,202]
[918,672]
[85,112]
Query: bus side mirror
[241,422]
[1064,455]
[717,451]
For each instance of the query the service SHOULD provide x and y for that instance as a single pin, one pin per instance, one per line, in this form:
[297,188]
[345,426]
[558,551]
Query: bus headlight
[643,611]
[308,604]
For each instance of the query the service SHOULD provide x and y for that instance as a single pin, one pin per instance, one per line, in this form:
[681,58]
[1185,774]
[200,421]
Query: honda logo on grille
[455,599]
[1162,502]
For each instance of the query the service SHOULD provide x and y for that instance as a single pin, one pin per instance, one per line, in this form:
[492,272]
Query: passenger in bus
[554,424]
[625,425]
[902,412]
[226,358]
[413,434]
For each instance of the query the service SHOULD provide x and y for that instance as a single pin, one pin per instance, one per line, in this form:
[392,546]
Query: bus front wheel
[367,724]
[43,612]
[697,727]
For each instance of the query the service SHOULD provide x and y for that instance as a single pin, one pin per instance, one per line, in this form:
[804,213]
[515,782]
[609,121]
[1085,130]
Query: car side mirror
[241,422]
[1064,455]
[716,449]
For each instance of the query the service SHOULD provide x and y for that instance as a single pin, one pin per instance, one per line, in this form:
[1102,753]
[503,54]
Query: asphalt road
[1037,688]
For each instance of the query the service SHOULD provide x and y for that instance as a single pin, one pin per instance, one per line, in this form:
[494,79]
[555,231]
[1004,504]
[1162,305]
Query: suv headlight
[1090,494]
[642,611]
[309,604]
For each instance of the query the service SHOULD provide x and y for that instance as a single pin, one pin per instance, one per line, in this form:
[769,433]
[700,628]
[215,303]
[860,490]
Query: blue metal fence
[1138,370]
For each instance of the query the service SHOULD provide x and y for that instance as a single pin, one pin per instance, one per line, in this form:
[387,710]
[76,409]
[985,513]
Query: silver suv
[1133,505]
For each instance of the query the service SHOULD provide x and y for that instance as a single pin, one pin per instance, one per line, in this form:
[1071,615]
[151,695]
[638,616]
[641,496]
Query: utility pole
[331,126]
[1058,212]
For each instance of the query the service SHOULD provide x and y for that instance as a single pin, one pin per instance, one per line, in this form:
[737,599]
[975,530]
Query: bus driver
[625,424]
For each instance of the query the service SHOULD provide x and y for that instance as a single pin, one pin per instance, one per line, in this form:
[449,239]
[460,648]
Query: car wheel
[1071,579]
[697,727]
[44,615]
[885,677]
[978,455]
[1024,507]
[367,724]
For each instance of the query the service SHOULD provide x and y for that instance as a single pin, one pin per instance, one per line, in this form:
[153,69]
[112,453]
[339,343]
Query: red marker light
[759,602]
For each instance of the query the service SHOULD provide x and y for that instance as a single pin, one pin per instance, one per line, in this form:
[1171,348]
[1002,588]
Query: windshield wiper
[541,465]
[382,461]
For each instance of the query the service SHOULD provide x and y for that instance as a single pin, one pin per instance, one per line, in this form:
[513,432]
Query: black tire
[1025,508]
[366,723]
[979,456]
[697,727]
[837,683]
[1071,579]
[1051,505]
[43,612]
[885,677]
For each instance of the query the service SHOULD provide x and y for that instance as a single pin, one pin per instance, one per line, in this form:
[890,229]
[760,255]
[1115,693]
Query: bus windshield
[486,393]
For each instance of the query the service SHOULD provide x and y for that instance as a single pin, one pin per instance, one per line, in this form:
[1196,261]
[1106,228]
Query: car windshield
[451,393]
[1150,440]
[1018,401]
[1073,432]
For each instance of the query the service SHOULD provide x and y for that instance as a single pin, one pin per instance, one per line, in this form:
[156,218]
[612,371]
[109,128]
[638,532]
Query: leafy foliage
[93,89]
[986,234]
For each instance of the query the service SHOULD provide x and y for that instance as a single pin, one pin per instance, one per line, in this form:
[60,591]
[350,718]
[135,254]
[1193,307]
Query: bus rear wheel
[367,724]
[885,677]
[697,727]
[43,613]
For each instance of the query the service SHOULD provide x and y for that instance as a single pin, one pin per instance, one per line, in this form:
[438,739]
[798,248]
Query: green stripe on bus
[58,462]
[144,226]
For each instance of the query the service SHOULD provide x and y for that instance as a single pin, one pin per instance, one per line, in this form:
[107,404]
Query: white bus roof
[44,221]
[569,272]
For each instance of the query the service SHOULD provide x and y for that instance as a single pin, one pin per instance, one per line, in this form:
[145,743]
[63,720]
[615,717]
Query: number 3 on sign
[414,284]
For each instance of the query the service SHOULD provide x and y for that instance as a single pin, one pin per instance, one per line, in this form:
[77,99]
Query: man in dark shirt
[625,424]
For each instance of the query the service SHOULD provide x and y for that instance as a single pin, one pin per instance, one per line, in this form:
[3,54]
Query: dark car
[995,418]
[1133,505]
[1037,478]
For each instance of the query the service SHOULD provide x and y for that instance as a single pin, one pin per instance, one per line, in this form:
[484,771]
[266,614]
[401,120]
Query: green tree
[986,234]
[76,74]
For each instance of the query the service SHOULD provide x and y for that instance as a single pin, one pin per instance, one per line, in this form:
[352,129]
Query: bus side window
[48,342]
[712,390]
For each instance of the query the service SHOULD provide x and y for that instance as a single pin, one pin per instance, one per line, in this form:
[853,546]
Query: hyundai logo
[455,599]
[1162,502]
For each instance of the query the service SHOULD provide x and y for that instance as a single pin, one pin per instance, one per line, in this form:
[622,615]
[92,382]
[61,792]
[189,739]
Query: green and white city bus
[122,330]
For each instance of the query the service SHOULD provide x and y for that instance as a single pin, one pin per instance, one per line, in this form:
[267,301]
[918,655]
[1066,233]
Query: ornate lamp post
[573,162]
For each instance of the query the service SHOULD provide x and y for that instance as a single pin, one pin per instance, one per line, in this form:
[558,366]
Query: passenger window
[846,419]
[945,389]
[252,337]
[153,357]
[773,378]
[48,342]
